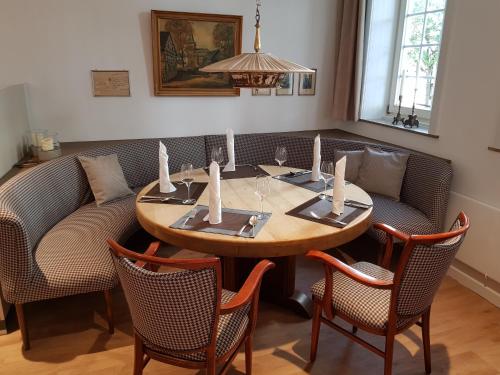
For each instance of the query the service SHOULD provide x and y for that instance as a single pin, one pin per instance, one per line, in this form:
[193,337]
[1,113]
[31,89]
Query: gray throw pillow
[382,172]
[353,163]
[105,177]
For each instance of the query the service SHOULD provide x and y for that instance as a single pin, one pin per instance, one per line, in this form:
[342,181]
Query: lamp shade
[255,69]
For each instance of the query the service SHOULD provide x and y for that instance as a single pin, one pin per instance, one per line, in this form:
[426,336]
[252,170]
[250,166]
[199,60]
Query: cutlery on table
[240,232]
[316,216]
[253,222]
[296,174]
[161,199]
[191,216]
[356,204]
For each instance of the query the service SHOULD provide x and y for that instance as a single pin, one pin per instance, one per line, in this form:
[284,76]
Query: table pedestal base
[278,285]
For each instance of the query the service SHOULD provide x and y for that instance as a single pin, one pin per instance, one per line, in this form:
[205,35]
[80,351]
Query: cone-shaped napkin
[165,184]
[316,171]
[231,165]
[214,203]
[339,187]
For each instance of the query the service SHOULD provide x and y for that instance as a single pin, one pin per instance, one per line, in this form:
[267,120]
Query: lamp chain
[257,44]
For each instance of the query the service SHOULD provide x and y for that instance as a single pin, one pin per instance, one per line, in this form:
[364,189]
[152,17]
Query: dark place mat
[304,181]
[196,190]
[232,221]
[323,207]
[242,171]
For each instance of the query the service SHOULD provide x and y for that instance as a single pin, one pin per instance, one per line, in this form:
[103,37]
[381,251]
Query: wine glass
[187,178]
[280,156]
[327,171]
[261,190]
[217,155]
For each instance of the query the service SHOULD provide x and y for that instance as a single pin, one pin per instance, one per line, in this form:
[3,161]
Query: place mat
[242,171]
[304,181]
[232,221]
[196,190]
[323,207]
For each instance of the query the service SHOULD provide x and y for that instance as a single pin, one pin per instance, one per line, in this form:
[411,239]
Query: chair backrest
[175,311]
[423,266]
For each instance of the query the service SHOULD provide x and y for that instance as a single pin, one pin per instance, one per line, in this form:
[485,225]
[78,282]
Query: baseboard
[475,285]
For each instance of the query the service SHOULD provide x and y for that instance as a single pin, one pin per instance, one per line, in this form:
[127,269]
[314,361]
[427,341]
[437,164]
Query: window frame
[392,108]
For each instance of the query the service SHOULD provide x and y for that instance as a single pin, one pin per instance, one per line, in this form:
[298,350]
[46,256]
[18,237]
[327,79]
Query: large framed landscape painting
[185,42]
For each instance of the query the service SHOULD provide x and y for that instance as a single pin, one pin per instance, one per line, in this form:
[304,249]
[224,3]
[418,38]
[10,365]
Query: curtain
[349,47]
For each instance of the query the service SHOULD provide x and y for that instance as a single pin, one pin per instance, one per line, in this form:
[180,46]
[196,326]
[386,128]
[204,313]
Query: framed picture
[307,83]
[286,85]
[185,42]
[110,83]
[261,92]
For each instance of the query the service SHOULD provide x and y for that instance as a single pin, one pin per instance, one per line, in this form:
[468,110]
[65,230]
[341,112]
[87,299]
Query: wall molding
[475,285]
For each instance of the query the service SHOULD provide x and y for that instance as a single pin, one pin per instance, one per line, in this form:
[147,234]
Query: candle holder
[411,121]
[399,118]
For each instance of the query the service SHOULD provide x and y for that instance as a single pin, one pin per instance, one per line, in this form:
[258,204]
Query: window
[417,49]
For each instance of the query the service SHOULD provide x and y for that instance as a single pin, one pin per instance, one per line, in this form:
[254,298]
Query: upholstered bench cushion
[229,331]
[398,215]
[358,302]
[73,256]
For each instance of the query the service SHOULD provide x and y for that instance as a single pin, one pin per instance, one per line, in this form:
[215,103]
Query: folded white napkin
[214,203]
[231,165]
[165,184]
[339,187]
[316,168]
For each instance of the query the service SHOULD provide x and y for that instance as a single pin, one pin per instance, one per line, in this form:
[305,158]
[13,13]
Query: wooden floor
[69,337]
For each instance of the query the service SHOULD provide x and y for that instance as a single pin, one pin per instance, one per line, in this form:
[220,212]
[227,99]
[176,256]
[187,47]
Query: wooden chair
[379,301]
[184,317]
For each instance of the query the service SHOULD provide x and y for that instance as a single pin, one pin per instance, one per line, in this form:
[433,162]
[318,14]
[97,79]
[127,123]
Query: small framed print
[110,83]
[261,91]
[307,83]
[286,85]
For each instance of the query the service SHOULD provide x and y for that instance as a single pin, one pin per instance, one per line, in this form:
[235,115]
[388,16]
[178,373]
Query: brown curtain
[348,59]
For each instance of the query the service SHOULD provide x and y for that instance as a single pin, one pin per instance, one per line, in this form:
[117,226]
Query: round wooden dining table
[281,239]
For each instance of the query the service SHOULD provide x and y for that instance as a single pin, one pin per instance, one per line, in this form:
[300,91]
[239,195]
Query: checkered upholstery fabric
[175,311]
[424,273]
[361,303]
[399,215]
[73,256]
[260,149]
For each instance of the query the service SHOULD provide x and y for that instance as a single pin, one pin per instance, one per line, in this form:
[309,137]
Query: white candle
[401,87]
[39,138]
[47,144]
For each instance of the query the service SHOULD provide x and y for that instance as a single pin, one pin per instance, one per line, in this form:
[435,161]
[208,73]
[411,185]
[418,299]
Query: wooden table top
[283,235]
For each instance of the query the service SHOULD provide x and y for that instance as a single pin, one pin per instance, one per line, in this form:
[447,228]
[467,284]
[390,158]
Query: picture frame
[307,83]
[110,83]
[185,42]
[287,84]
[261,91]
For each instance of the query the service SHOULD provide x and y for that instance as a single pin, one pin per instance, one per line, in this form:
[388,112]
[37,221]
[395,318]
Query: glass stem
[326,184]
[261,207]
[189,188]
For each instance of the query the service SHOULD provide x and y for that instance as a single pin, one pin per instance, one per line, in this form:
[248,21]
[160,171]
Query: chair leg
[109,311]
[316,323]
[389,350]
[354,330]
[248,355]
[22,326]
[426,317]
[211,365]
[138,355]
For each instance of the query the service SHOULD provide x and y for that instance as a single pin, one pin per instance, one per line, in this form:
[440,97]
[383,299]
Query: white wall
[53,44]
[467,116]
[14,123]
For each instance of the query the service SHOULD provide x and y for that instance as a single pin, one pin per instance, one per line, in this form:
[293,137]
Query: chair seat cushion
[230,330]
[73,257]
[369,306]
[398,215]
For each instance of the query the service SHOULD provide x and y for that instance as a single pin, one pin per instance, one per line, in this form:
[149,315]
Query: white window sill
[422,129]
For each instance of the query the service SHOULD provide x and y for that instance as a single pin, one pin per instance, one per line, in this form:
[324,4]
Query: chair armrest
[247,291]
[150,251]
[392,231]
[349,271]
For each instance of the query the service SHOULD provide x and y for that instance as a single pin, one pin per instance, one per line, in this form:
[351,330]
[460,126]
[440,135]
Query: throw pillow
[105,177]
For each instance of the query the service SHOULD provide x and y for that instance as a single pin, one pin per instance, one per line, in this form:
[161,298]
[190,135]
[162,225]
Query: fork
[191,216]
[316,216]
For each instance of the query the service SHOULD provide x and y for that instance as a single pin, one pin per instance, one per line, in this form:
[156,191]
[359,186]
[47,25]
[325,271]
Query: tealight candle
[47,144]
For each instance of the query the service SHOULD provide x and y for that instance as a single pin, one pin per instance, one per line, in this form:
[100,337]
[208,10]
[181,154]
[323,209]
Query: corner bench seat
[73,257]
[398,215]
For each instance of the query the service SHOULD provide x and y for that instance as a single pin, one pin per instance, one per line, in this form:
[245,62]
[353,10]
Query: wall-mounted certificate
[110,83]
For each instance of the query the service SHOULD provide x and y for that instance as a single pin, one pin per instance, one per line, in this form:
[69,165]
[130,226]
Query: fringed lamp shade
[255,70]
